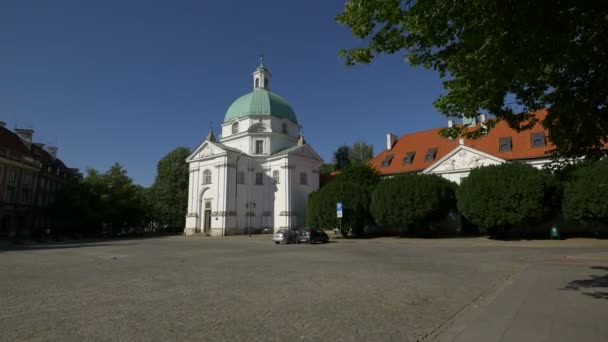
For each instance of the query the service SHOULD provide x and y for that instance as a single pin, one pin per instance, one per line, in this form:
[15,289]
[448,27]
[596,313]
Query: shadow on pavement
[7,246]
[593,282]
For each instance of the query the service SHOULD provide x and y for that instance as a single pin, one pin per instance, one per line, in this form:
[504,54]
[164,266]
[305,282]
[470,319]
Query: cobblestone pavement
[249,289]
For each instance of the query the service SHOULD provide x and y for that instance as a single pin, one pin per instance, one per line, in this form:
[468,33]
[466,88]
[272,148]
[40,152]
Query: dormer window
[538,139]
[505,144]
[430,154]
[387,160]
[235,128]
[409,158]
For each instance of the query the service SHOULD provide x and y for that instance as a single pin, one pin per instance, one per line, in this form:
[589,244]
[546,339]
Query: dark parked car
[312,235]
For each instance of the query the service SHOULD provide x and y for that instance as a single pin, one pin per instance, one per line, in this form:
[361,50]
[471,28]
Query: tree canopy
[360,152]
[170,189]
[504,58]
[341,157]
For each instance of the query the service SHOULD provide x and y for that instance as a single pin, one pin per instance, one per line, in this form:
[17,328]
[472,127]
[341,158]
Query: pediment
[306,152]
[205,150]
[463,158]
[302,151]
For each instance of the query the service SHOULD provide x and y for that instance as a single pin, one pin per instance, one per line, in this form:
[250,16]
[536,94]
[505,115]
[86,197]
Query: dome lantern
[261,76]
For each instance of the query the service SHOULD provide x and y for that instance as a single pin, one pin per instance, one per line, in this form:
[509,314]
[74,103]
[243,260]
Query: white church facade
[257,176]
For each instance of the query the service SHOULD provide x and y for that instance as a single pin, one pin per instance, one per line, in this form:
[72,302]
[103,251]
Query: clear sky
[128,81]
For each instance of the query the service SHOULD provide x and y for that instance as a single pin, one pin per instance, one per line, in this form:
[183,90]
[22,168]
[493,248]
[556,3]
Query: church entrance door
[207,218]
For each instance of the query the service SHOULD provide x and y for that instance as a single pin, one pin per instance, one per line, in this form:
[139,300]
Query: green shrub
[412,201]
[586,193]
[500,196]
[353,187]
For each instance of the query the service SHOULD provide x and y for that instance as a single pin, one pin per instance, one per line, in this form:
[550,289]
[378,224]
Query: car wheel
[277,242]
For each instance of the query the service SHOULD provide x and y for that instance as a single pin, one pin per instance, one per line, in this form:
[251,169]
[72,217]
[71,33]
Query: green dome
[260,102]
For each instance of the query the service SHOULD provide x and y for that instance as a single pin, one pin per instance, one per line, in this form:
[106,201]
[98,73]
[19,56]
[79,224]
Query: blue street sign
[339,209]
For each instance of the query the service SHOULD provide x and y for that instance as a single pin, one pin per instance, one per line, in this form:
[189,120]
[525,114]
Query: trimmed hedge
[353,187]
[586,193]
[500,196]
[412,201]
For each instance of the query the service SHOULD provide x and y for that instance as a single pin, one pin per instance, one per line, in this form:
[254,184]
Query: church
[257,176]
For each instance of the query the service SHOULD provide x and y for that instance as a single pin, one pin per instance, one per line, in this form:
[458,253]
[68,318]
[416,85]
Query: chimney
[26,135]
[52,150]
[461,141]
[450,123]
[482,118]
[391,139]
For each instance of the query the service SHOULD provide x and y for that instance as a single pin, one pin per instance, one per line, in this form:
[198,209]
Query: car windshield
[281,231]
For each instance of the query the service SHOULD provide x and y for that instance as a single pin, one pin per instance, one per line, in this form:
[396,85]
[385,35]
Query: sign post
[339,215]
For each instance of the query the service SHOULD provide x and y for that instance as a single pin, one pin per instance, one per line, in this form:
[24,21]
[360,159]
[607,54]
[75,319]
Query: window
[387,160]
[259,178]
[275,176]
[10,192]
[257,82]
[303,178]
[430,154]
[505,144]
[207,177]
[240,177]
[259,146]
[207,204]
[284,128]
[235,128]
[409,158]
[266,83]
[25,195]
[27,179]
[538,139]
[12,175]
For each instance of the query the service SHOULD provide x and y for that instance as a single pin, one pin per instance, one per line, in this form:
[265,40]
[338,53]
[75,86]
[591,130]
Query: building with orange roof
[428,152]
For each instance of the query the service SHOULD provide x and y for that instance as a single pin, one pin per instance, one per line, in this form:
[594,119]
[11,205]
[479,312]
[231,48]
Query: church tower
[261,76]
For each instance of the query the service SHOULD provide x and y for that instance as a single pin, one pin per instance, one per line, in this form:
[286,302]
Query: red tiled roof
[421,142]
[13,143]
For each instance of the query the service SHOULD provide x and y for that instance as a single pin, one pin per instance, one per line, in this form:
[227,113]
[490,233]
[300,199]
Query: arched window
[207,177]
[257,82]
[265,83]
[284,128]
[275,176]
[235,128]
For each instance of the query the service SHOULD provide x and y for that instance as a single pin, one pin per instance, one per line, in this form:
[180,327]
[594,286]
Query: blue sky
[128,81]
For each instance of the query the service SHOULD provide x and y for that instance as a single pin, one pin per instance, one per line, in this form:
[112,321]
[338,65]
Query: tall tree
[170,188]
[505,58]
[361,152]
[342,157]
